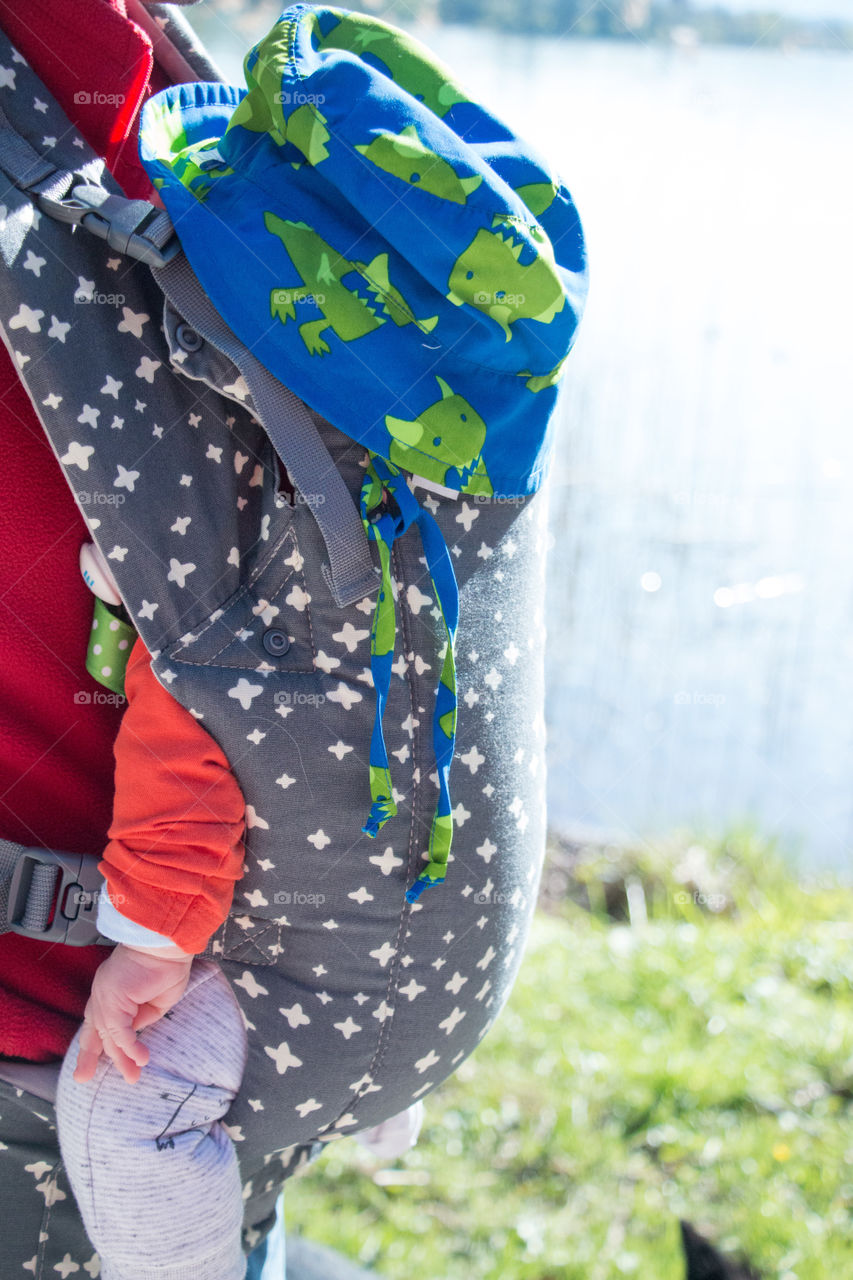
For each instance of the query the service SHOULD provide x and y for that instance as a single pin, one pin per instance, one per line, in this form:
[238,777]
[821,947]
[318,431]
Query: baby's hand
[393,1137]
[133,988]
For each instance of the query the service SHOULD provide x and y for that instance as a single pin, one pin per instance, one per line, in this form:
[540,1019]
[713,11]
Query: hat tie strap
[388,508]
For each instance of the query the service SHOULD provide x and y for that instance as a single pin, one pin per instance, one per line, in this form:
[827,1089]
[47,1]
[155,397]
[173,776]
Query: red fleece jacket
[56,751]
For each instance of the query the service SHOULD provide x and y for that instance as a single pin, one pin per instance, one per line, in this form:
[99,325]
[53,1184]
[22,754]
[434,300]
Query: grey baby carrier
[256,605]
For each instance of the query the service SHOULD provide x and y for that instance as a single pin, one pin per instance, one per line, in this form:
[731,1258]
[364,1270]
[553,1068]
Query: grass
[694,1059]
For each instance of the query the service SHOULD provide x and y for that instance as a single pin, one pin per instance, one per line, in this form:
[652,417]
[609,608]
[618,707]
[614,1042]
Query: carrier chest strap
[49,895]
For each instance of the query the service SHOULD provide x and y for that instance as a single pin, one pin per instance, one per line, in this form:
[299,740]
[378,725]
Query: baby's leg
[153,1171]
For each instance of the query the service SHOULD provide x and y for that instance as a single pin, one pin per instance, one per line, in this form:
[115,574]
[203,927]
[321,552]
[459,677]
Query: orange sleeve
[176,839]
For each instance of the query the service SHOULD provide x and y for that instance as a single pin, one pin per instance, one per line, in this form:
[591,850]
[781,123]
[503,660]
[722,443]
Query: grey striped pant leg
[152,1168]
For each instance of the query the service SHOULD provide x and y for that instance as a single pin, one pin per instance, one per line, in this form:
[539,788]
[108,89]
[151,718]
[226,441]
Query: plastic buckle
[75,911]
[113,218]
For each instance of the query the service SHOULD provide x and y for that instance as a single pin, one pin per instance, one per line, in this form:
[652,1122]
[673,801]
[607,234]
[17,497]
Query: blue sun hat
[380,240]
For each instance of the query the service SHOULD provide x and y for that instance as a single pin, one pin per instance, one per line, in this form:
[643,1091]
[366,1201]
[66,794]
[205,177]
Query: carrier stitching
[250,582]
[253,939]
[236,598]
[393,975]
[308,612]
[247,941]
[198,662]
[45,1222]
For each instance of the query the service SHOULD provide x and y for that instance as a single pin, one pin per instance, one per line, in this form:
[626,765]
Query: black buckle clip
[75,912]
[119,221]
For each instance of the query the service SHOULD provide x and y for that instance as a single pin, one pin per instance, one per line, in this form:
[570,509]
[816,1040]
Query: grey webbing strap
[134,227]
[28,170]
[49,895]
[160,230]
[289,425]
[40,896]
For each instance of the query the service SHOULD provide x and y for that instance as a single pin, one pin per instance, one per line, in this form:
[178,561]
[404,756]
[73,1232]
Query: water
[700,652]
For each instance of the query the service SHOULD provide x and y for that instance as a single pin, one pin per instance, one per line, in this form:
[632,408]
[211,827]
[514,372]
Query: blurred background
[680,1041]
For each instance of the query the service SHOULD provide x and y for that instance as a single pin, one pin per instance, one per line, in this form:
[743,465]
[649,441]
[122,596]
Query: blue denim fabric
[267,1261]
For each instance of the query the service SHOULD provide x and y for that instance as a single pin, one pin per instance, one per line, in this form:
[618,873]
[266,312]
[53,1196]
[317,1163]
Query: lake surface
[700,612]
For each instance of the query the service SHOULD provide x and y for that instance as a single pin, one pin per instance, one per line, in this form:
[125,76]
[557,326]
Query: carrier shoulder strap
[80,197]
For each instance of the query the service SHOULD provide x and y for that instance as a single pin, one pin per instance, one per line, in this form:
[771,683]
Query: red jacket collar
[98,65]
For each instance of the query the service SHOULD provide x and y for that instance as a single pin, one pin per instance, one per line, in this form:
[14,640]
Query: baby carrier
[220,156]
[362,273]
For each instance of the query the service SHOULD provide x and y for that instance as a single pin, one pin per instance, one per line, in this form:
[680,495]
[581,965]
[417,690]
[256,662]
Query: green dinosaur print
[441,837]
[306,129]
[538,382]
[196,166]
[376,276]
[449,427]
[321,269]
[379,781]
[265,107]
[261,109]
[487,275]
[412,67]
[406,157]
[255,114]
[538,196]
[168,126]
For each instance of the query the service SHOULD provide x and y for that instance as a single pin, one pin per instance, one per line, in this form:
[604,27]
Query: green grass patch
[692,1060]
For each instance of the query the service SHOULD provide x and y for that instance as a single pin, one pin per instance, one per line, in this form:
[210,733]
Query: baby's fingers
[146,1016]
[88,1053]
[127,1053]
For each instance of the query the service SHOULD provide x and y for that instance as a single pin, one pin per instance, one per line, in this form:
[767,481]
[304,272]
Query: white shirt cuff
[112,924]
